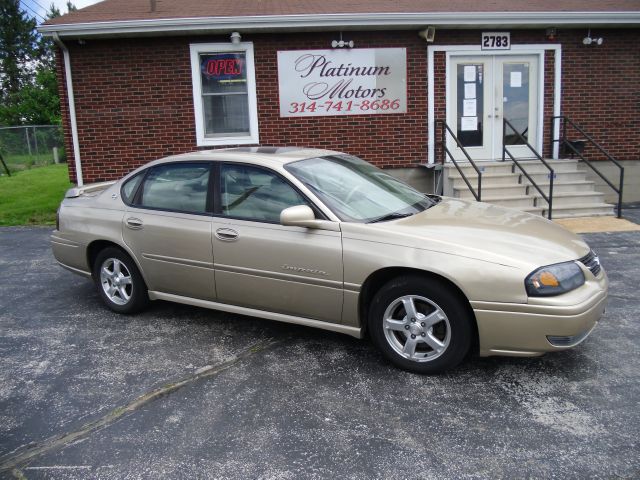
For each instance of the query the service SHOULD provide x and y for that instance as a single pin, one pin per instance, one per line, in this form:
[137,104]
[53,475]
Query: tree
[27,69]
[17,50]
[17,45]
[38,102]
[46,46]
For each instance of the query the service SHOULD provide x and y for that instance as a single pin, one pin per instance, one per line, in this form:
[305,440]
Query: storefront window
[224,94]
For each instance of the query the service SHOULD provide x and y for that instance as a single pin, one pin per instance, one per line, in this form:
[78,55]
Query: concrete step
[560,177]
[490,191]
[505,185]
[583,210]
[571,198]
[531,166]
[557,166]
[517,201]
[485,167]
[487,179]
[573,186]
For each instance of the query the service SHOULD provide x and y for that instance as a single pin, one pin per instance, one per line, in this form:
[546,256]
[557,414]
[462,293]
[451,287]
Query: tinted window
[178,186]
[130,187]
[255,193]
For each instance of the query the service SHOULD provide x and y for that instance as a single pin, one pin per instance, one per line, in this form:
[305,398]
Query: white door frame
[533,49]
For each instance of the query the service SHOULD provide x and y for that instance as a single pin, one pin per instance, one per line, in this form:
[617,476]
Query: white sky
[38,8]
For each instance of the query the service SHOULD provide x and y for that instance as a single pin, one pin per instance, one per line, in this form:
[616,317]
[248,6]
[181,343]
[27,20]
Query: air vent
[592,262]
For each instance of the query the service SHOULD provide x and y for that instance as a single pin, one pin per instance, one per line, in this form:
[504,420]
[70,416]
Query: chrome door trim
[279,276]
[179,261]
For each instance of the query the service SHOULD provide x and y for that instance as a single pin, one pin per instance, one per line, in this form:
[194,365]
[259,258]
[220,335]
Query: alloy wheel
[416,328]
[116,281]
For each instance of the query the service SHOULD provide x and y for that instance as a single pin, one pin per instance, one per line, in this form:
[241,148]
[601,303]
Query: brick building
[142,79]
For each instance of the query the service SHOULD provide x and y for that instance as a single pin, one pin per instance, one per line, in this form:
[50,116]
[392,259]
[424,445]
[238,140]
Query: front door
[264,265]
[484,90]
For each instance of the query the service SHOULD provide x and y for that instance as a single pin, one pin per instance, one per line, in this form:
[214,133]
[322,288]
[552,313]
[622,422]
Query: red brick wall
[134,97]
[601,88]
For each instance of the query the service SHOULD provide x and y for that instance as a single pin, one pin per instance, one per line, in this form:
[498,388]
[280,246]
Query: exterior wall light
[429,34]
[588,40]
[235,38]
[342,43]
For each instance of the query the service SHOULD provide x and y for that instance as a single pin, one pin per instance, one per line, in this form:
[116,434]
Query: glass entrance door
[484,89]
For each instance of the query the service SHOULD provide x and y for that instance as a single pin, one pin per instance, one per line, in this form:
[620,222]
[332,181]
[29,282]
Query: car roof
[267,156]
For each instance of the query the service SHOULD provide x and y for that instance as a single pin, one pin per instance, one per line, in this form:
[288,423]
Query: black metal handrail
[549,199]
[564,142]
[445,151]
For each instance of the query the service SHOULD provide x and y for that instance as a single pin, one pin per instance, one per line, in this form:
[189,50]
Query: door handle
[226,234]
[134,223]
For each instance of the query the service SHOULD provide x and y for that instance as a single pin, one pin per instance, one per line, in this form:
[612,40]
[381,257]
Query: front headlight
[554,280]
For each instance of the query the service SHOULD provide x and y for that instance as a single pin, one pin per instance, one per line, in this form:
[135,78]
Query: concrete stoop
[504,184]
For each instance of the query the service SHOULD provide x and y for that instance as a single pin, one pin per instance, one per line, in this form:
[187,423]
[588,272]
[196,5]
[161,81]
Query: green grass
[31,197]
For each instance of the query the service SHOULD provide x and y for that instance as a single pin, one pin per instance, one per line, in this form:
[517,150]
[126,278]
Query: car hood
[478,230]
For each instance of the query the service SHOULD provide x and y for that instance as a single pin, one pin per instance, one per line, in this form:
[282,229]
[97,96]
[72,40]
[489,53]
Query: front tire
[119,282]
[420,325]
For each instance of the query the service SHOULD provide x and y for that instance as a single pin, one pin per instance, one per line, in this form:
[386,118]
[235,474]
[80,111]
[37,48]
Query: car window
[255,194]
[179,186]
[130,187]
[356,191]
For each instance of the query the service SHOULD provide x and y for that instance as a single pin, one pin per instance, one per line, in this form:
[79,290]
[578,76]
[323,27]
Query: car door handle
[134,223]
[226,234]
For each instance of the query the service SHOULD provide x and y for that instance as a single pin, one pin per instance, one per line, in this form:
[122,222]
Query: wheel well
[377,279]
[95,248]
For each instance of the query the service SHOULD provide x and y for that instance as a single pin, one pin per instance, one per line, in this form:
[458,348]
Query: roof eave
[342,21]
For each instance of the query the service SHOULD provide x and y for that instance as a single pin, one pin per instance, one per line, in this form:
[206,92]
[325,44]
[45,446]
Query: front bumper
[544,324]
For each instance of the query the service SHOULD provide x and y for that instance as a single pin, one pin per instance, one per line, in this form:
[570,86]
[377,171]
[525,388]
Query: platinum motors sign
[363,81]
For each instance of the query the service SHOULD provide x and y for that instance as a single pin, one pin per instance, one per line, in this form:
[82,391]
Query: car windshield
[357,191]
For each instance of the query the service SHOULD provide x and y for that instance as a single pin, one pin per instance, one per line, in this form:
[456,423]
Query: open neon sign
[223,66]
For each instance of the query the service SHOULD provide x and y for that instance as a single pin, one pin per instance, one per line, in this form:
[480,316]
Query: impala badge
[304,270]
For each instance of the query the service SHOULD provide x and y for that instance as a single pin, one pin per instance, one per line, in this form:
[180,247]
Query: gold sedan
[324,239]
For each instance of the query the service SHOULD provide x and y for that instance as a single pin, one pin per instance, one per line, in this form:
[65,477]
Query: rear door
[262,264]
[168,228]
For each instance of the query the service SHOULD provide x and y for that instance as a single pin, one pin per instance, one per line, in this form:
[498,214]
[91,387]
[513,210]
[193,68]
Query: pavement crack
[12,461]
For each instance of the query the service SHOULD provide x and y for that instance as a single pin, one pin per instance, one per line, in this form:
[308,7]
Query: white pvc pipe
[72,108]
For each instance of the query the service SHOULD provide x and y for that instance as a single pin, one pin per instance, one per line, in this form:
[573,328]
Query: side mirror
[303,216]
[298,216]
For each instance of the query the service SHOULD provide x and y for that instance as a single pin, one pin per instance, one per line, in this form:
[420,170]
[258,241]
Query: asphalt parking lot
[181,392]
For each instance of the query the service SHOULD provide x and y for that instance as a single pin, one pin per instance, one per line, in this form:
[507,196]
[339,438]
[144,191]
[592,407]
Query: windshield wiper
[390,216]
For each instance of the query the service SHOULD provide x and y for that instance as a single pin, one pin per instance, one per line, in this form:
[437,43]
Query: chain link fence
[30,146]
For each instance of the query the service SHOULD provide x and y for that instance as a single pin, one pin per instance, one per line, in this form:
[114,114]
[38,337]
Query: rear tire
[420,325]
[119,282]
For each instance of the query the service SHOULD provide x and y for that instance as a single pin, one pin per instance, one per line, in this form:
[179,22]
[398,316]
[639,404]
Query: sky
[38,8]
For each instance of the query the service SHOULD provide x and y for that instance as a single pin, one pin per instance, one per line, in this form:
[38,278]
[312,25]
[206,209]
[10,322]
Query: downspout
[72,107]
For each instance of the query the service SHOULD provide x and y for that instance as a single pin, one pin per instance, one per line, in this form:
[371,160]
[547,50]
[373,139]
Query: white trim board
[340,21]
[201,139]
[533,49]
